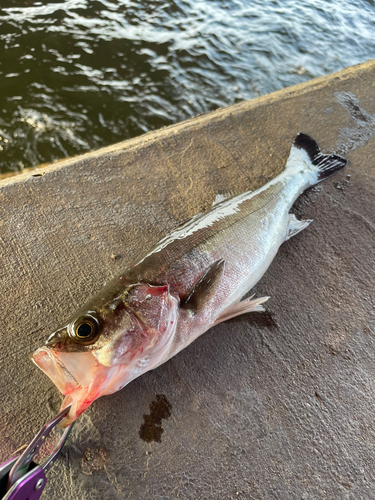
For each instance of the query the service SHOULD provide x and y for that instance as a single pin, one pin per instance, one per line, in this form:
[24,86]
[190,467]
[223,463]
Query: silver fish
[192,280]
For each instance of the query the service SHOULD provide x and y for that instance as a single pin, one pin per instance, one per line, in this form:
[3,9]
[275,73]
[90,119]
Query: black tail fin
[325,165]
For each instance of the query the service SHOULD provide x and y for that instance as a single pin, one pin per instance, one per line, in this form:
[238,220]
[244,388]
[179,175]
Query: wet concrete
[279,405]
[151,429]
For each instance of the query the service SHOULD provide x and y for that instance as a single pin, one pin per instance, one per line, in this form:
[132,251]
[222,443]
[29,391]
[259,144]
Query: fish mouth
[68,371]
[79,377]
[50,363]
[74,374]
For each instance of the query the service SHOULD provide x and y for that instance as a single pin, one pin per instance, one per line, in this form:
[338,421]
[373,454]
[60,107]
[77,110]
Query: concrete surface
[272,406]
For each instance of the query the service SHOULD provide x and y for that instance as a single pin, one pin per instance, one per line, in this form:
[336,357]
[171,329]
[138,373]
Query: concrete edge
[221,113]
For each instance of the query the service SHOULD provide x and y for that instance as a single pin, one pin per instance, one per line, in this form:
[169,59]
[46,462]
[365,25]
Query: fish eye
[86,330]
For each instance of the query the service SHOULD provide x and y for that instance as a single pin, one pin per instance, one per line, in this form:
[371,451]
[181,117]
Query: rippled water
[80,74]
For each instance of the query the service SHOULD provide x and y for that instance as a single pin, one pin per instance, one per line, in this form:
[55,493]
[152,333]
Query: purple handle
[28,487]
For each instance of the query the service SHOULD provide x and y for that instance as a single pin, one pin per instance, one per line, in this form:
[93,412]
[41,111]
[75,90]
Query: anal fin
[295,225]
[245,306]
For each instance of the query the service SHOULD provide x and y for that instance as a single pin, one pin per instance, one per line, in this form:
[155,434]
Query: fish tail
[318,164]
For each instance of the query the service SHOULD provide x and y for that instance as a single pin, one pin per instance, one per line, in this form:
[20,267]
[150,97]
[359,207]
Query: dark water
[80,74]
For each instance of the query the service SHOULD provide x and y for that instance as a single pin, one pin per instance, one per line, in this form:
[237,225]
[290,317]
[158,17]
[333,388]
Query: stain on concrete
[94,460]
[334,340]
[151,430]
[351,104]
[265,320]
[350,137]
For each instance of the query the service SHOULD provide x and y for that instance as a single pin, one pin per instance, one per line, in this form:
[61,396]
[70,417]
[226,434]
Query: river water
[81,74]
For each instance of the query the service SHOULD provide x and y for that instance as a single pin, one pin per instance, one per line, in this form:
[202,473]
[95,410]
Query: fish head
[108,343]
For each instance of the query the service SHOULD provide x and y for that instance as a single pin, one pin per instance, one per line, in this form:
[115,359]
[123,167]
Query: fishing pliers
[23,479]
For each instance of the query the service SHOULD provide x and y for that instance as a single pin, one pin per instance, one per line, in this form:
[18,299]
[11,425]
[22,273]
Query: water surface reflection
[80,74]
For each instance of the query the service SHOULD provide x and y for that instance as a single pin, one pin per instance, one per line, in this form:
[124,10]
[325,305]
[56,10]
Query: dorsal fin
[223,196]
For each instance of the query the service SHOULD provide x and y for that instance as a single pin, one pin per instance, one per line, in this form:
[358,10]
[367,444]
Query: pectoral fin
[205,288]
[245,306]
[295,225]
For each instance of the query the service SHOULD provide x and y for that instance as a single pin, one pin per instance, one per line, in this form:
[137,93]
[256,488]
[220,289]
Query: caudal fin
[324,165]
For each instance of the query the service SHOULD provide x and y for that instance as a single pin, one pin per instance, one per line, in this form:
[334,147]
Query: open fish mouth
[68,371]
[73,375]
[79,377]
[51,364]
